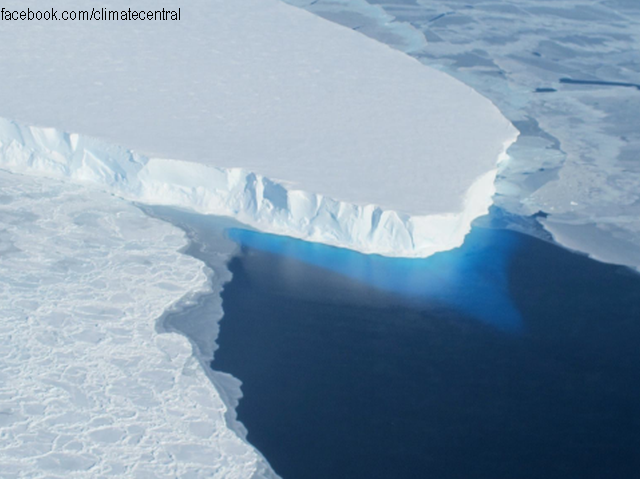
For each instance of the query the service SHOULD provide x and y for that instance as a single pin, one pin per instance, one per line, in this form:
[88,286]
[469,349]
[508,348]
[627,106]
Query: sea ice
[88,386]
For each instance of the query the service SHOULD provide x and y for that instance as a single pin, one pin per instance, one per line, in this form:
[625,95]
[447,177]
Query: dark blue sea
[508,358]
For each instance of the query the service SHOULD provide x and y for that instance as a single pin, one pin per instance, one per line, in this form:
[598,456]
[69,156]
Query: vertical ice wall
[246,196]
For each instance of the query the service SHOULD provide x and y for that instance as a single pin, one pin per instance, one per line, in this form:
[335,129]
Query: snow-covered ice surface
[89,387]
[578,156]
[340,139]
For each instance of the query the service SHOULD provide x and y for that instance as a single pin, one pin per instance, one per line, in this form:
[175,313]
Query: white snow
[88,386]
[370,20]
[298,126]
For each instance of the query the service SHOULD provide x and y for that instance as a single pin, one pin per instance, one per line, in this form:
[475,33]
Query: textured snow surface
[88,386]
[260,85]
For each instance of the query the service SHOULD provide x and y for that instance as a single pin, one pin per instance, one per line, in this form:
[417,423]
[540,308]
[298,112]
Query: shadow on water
[472,278]
[371,368]
[571,81]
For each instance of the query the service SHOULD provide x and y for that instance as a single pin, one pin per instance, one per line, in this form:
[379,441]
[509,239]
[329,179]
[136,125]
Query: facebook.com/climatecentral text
[95,14]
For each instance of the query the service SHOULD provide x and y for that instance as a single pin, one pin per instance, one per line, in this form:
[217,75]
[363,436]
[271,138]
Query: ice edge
[226,385]
[252,199]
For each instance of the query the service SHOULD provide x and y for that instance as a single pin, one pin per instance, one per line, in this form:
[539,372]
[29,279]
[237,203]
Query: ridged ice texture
[251,198]
[89,387]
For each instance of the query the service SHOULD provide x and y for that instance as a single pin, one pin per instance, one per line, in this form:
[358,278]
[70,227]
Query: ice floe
[89,387]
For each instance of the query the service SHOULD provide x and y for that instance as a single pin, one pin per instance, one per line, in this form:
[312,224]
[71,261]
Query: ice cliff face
[251,198]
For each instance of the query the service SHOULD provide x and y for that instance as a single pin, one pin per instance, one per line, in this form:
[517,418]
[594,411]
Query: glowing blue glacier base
[473,279]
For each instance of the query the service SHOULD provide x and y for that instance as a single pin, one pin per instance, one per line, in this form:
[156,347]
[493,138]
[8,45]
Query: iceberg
[258,110]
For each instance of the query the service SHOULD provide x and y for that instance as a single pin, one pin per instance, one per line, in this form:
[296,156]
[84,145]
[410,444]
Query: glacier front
[257,110]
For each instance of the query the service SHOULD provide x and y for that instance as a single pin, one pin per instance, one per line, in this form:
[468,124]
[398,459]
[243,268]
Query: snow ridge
[252,199]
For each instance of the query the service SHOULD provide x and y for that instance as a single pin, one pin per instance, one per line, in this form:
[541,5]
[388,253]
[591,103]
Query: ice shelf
[258,110]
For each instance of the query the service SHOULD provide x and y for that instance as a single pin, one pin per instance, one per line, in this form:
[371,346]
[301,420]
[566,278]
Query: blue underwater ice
[472,279]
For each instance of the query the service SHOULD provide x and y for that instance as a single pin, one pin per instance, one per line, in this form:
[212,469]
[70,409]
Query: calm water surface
[508,358]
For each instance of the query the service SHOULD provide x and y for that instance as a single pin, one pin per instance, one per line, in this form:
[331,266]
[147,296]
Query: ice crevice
[251,198]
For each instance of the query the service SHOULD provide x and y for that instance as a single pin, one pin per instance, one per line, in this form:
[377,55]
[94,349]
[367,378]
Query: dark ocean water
[507,358]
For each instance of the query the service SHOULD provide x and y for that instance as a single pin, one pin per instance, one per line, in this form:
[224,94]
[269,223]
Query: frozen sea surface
[555,70]
[90,385]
